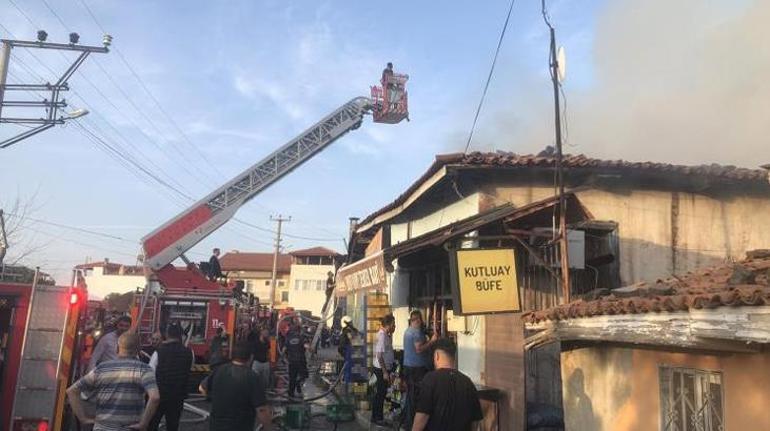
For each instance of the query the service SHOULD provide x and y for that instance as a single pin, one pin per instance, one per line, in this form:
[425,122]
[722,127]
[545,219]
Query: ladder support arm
[175,237]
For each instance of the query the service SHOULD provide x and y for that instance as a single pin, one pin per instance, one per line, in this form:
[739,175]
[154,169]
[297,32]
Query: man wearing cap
[416,360]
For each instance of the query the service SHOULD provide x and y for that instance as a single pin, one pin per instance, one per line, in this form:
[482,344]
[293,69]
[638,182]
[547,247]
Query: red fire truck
[39,348]
[186,294]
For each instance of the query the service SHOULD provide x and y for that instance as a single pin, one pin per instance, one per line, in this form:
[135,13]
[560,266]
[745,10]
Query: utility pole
[563,240]
[5,57]
[54,103]
[280,219]
[3,238]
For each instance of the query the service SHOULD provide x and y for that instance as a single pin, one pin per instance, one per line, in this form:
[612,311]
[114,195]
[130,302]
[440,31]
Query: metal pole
[563,240]
[3,237]
[280,221]
[5,55]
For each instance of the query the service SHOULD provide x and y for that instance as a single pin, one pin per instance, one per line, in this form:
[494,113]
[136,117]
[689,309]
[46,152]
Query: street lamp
[77,113]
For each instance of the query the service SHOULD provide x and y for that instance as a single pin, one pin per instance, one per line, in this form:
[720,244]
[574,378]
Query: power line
[151,95]
[489,77]
[24,14]
[77,241]
[136,164]
[253,226]
[114,150]
[61,21]
[124,94]
[75,228]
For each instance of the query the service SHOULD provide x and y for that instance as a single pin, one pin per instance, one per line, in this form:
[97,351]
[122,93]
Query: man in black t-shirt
[260,343]
[448,400]
[237,395]
[295,346]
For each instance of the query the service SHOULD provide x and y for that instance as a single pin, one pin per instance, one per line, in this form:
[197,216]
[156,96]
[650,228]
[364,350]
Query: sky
[195,92]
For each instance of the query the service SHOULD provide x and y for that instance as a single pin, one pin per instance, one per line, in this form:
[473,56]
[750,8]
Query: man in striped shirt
[119,387]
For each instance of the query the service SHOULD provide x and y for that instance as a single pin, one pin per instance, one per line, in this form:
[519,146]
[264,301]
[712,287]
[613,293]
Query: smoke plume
[682,81]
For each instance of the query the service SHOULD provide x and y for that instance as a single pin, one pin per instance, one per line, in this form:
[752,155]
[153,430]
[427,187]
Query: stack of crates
[377,307]
[360,392]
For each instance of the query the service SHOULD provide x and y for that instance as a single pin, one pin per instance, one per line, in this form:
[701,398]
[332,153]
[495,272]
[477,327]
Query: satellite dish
[561,61]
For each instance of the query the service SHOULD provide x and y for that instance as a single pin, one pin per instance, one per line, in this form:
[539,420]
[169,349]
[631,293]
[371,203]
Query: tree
[119,301]
[19,241]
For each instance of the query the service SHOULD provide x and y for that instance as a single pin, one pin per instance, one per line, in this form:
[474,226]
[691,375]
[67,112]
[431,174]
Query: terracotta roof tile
[746,283]
[315,251]
[237,261]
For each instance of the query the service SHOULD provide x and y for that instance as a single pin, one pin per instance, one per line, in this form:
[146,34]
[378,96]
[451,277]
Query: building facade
[685,354]
[256,271]
[310,269]
[105,277]
[631,222]
[301,276]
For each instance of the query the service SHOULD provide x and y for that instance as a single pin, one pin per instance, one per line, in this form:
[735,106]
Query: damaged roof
[746,283]
[579,162]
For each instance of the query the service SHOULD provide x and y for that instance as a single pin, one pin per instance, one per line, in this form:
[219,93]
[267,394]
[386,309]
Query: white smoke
[682,81]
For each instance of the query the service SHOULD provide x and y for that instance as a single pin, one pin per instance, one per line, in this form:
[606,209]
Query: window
[690,400]
[267,282]
[309,284]
[285,296]
[281,283]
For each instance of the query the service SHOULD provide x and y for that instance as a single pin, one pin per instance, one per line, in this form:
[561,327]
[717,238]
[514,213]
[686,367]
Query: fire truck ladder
[146,320]
[181,233]
[36,385]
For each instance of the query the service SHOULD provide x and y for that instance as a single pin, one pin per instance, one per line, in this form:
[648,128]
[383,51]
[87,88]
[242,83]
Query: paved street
[311,390]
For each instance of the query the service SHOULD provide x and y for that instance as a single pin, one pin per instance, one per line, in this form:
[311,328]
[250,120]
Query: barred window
[691,400]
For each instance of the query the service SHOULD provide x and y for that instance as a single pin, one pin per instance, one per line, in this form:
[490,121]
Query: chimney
[353,225]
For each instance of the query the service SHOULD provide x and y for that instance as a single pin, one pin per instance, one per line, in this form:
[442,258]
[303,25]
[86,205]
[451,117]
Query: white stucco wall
[470,347]
[100,285]
[442,217]
[311,299]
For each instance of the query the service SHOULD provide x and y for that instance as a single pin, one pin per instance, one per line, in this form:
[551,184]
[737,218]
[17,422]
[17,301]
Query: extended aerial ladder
[170,241]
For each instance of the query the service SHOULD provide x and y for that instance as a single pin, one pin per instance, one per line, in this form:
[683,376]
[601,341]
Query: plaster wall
[663,233]
[311,299]
[617,388]
[101,285]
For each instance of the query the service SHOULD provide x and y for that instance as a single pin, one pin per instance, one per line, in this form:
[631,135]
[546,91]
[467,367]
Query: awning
[506,213]
[365,274]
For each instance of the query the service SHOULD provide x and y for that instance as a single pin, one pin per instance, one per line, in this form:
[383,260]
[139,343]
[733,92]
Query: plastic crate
[297,416]
[340,412]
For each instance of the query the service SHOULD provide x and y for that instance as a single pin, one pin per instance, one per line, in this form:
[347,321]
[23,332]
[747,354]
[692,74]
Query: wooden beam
[730,329]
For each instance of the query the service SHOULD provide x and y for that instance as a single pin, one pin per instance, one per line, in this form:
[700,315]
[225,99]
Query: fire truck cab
[199,306]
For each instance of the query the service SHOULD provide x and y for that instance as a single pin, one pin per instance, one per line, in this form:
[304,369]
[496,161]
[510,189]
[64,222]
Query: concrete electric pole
[557,74]
[53,102]
[273,281]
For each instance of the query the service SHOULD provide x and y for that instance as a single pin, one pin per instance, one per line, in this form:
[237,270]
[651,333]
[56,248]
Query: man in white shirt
[107,347]
[383,362]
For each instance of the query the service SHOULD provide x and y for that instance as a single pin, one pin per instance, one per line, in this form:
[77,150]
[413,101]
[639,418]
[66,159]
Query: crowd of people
[125,392]
[121,392]
[439,397]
